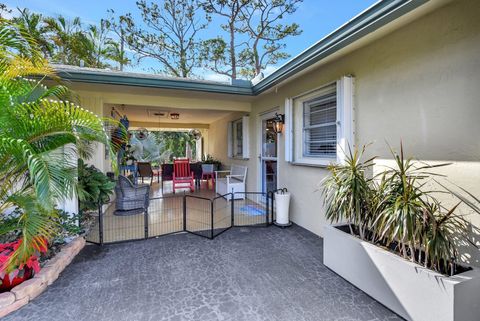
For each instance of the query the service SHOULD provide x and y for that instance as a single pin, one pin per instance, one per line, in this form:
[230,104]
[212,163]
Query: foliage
[33,24]
[254,36]
[218,54]
[41,137]
[71,42]
[266,33]
[395,210]
[94,187]
[348,192]
[170,36]
[68,226]
[209,159]
[174,143]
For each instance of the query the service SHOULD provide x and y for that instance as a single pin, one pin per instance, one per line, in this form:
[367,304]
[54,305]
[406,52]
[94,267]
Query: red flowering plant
[25,233]
[11,277]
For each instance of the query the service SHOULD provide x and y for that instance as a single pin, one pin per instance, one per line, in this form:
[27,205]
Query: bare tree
[170,35]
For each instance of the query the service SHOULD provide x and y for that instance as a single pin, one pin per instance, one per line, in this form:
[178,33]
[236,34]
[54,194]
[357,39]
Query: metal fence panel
[198,216]
[221,214]
[207,217]
[251,209]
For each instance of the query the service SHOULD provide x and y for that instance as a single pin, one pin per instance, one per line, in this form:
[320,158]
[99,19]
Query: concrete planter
[408,289]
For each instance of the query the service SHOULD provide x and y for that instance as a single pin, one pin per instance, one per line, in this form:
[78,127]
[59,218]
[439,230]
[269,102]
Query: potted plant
[397,241]
[209,159]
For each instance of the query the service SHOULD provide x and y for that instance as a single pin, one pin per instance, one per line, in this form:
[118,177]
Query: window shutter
[230,139]
[345,117]
[246,137]
[288,130]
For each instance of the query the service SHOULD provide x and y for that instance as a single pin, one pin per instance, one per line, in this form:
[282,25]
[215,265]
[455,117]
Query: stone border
[30,289]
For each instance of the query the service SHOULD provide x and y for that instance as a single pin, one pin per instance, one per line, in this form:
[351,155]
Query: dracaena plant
[396,210]
[348,192]
[41,137]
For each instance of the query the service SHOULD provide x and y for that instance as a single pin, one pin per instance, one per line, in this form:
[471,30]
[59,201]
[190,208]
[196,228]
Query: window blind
[320,126]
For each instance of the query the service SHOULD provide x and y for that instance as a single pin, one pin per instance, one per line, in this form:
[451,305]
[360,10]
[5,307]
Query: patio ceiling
[160,117]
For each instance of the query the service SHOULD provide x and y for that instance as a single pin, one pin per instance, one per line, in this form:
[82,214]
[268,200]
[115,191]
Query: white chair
[231,181]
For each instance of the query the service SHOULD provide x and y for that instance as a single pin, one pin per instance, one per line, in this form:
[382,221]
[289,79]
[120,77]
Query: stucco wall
[419,84]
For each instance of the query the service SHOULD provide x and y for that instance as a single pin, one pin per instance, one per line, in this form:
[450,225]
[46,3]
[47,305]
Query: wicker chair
[130,199]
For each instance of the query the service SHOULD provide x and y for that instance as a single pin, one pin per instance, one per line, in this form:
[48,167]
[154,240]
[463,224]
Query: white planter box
[408,289]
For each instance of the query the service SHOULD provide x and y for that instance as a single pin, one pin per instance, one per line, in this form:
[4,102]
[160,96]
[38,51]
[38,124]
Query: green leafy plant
[395,210]
[209,159]
[41,137]
[94,187]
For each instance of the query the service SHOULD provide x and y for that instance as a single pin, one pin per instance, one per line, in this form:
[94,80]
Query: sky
[316,18]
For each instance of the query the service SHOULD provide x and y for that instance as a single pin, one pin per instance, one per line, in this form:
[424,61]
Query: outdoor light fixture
[174,115]
[278,122]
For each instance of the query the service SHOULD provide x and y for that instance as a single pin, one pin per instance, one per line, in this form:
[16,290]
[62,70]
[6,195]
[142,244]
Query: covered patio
[247,274]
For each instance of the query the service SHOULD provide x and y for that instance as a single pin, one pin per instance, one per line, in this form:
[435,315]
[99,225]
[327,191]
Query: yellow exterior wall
[419,84]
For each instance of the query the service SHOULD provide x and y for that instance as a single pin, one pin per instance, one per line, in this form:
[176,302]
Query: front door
[268,154]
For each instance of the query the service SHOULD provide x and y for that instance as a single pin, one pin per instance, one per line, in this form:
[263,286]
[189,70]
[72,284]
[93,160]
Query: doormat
[252,210]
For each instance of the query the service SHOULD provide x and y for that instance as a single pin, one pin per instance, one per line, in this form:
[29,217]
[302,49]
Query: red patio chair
[182,176]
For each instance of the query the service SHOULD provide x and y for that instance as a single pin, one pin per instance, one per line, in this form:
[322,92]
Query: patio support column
[95,105]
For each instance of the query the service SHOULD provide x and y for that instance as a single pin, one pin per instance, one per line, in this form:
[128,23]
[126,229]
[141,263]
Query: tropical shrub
[69,226]
[18,273]
[94,187]
[395,210]
[41,136]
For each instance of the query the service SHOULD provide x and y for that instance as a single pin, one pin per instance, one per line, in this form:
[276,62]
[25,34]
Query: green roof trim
[373,18]
[109,77]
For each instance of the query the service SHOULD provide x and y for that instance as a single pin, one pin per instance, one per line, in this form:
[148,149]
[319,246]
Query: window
[238,138]
[319,124]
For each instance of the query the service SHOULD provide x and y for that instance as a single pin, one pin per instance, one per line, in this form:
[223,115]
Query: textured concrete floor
[244,274]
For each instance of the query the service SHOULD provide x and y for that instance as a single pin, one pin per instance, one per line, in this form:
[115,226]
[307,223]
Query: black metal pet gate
[203,216]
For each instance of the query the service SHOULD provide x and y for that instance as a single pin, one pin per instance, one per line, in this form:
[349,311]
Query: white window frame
[294,134]
[232,138]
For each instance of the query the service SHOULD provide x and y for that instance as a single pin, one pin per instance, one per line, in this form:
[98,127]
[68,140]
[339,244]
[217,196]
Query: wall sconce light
[174,116]
[278,123]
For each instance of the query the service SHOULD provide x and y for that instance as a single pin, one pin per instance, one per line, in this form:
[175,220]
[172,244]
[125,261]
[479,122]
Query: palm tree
[67,37]
[116,52]
[33,24]
[41,137]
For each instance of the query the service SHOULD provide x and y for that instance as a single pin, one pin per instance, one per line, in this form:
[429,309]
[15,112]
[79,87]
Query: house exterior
[403,70]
